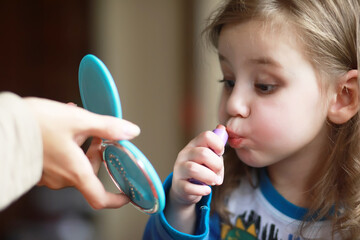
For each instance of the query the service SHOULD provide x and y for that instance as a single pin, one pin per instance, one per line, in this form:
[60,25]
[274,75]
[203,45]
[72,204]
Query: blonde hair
[328,30]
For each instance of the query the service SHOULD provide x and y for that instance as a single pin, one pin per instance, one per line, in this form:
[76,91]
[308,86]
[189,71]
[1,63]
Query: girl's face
[272,103]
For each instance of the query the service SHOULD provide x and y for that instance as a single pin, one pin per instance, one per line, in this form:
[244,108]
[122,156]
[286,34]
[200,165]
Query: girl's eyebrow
[264,60]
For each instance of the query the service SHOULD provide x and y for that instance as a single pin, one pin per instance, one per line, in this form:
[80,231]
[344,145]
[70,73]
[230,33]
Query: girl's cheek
[270,127]
[265,129]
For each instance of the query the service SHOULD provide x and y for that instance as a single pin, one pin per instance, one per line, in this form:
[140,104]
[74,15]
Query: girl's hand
[200,161]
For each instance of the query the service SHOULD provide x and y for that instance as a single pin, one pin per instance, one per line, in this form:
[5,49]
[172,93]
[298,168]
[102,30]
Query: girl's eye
[265,88]
[228,84]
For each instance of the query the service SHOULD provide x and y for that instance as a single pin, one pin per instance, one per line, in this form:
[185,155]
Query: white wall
[207,69]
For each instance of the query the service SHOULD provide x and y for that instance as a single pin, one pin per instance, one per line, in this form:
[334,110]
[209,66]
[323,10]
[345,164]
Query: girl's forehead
[251,44]
[255,37]
[266,31]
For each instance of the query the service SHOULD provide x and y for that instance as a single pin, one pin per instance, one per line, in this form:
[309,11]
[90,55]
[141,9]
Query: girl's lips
[235,141]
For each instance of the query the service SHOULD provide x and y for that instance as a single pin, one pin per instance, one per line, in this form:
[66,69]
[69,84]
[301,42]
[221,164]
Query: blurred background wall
[166,78]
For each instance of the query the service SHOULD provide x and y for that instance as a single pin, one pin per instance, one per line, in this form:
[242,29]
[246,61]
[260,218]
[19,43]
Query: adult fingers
[86,181]
[106,127]
[105,199]
[96,195]
[94,154]
[112,128]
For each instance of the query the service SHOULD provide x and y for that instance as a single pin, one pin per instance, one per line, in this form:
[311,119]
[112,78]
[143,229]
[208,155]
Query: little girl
[290,104]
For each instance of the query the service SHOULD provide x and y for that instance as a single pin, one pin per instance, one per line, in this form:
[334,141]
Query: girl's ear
[345,102]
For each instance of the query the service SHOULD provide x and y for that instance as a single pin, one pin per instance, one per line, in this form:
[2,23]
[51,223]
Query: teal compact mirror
[128,167]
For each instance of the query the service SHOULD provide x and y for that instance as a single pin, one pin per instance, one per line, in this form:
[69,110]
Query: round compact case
[128,167]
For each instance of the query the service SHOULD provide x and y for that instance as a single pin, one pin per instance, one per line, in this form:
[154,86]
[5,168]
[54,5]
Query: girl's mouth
[235,140]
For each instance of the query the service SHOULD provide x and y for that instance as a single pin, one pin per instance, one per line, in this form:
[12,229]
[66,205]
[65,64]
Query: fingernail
[72,104]
[219,180]
[131,130]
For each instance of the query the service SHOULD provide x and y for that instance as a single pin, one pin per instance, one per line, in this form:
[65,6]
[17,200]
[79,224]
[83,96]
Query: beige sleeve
[20,148]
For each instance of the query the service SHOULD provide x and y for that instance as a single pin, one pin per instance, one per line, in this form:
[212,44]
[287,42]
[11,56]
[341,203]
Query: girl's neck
[295,176]
[293,184]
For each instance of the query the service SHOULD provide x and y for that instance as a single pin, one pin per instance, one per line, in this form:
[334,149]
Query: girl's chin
[251,161]
[254,164]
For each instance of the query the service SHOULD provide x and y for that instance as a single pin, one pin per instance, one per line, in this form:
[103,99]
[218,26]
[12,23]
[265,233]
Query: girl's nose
[238,105]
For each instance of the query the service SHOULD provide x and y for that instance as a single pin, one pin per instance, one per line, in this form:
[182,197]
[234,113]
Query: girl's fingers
[192,170]
[193,190]
[197,166]
[209,140]
[202,156]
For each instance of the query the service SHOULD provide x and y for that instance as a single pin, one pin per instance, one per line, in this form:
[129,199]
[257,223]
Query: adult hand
[64,129]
